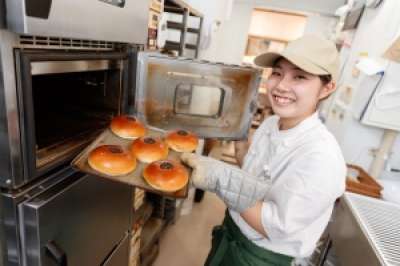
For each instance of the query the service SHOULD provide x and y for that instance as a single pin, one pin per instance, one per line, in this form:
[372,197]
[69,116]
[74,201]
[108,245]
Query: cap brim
[266,59]
[269,59]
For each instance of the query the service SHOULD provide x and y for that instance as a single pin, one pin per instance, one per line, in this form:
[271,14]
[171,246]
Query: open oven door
[214,100]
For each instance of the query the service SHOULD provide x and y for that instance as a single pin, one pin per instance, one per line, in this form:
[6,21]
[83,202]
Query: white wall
[320,19]
[377,29]
[230,40]
[269,24]
[212,11]
[320,25]
[326,7]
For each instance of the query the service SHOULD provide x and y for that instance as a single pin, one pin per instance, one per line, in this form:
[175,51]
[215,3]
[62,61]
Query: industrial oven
[61,81]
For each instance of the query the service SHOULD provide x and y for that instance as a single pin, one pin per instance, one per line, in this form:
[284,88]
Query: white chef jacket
[307,172]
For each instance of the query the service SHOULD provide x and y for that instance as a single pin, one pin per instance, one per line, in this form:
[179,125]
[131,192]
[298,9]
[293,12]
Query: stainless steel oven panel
[9,232]
[9,217]
[3,243]
[79,221]
[2,17]
[11,163]
[109,20]
[214,100]
[120,255]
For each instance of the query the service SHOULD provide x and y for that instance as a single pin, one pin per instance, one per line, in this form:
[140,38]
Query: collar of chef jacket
[287,137]
[268,141]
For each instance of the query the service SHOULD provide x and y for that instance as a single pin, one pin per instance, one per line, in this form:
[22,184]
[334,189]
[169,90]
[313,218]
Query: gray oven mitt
[237,188]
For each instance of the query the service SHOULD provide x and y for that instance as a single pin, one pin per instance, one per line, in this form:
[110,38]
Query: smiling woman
[294,93]
[281,199]
[297,85]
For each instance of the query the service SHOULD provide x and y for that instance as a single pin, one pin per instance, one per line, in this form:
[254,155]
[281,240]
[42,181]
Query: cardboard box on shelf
[156,5]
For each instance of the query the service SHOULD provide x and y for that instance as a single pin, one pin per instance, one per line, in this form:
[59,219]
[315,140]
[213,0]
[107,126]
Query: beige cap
[311,53]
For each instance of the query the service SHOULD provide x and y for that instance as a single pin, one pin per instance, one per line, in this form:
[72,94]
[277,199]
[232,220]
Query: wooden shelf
[178,6]
[193,30]
[191,46]
[176,46]
[172,45]
[143,214]
[175,25]
[150,233]
[172,9]
[181,27]
[149,257]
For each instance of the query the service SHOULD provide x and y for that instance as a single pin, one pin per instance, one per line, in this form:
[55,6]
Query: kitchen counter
[366,231]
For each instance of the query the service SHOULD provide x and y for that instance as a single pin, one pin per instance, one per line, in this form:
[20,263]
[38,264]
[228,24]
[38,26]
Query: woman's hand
[241,148]
[198,176]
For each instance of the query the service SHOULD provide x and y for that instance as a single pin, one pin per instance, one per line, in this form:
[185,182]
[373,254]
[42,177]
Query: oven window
[188,97]
[70,109]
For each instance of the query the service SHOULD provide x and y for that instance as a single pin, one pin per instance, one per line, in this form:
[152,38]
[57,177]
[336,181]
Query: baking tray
[135,178]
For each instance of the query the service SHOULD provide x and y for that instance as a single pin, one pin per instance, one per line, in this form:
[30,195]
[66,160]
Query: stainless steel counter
[1,236]
[366,231]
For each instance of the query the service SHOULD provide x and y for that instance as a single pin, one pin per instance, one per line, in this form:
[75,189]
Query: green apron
[231,248]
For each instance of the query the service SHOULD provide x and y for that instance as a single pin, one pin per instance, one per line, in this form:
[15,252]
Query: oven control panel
[78,19]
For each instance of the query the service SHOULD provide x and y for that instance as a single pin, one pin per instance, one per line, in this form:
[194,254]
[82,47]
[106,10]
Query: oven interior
[70,109]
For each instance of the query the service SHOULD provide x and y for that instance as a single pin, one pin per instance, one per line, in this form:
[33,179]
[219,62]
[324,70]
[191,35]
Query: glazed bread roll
[182,141]
[149,149]
[166,175]
[112,160]
[127,127]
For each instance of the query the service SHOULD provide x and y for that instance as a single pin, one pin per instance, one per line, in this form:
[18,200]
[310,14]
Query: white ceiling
[317,6]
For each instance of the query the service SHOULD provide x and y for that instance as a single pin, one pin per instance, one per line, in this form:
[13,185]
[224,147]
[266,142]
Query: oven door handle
[56,253]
